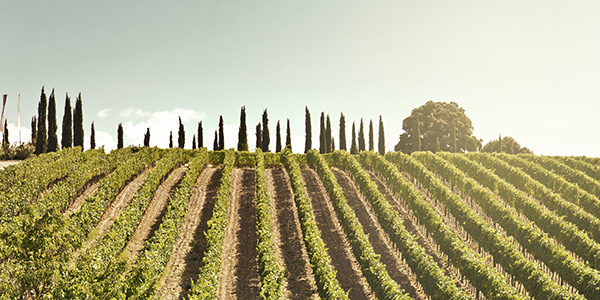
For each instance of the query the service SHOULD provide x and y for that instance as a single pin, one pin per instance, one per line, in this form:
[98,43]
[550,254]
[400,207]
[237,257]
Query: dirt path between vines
[239,260]
[349,275]
[189,247]
[290,249]
[154,212]
[381,243]
[411,225]
[87,190]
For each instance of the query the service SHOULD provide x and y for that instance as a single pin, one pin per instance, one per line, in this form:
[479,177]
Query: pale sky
[526,69]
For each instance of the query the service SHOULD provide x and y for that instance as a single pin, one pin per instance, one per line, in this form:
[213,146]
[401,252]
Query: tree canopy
[436,123]
[508,145]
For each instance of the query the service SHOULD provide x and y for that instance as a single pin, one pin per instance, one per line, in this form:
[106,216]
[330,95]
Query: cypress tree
[418,135]
[353,149]
[266,139]
[278,138]
[147,137]
[92,137]
[200,139]
[52,137]
[216,142]
[288,136]
[328,135]
[40,145]
[194,142]
[307,130]
[221,134]
[332,144]
[120,136]
[67,125]
[181,135]
[381,137]
[243,132]
[342,132]
[33,129]
[371,138]
[78,123]
[361,137]
[171,139]
[322,147]
[258,136]
[5,141]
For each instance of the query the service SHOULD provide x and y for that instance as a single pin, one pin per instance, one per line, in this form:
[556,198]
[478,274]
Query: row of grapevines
[15,198]
[529,236]
[14,175]
[591,170]
[485,278]
[327,284]
[100,267]
[549,180]
[563,230]
[374,271]
[271,275]
[142,279]
[206,285]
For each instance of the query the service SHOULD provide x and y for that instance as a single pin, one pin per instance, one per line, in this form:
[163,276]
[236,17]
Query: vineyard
[150,223]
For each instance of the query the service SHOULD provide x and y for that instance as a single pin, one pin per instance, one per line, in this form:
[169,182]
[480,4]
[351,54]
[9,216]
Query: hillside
[172,223]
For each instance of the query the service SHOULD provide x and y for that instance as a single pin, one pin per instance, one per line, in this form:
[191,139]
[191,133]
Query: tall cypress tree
[332,144]
[52,137]
[322,147]
[194,142]
[266,139]
[221,134]
[278,138]
[243,132]
[353,149]
[181,135]
[67,125]
[40,145]
[371,137]
[307,130]
[171,139]
[120,136]
[361,137]
[33,129]
[258,136]
[92,137]
[5,141]
[381,137]
[216,142]
[288,136]
[328,135]
[147,137]
[78,123]
[200,138]
[342,132]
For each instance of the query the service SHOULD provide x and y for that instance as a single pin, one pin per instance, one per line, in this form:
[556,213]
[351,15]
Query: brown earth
[154,212]
[189,247]
[348,274]
[239,260]
[87,190]
[381,243]
[290,249]
[6,163]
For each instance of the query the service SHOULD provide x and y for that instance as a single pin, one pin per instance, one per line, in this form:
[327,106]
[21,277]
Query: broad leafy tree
[440,123]
[504,144]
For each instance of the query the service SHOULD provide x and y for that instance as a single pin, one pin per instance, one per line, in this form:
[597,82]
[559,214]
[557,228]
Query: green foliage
[258,136]
[361,136]
[221,134]
[265,139]
[206,285]
[371,138]
[343,132]
[381,144]
[374,271]
[19,152]
[181,135]
[278,137]
[438,122]
[92,137]
[40,145]
[322,142]
[504,144]
[52,127]
[353,147]
[328,135]
[288,136]
[77,123]
[67,125]
[147,137]
[200,137]
[120,136]
[307,131]
[242,134]
[327,284]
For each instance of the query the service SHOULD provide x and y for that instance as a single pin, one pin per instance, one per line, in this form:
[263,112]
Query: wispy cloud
[104,113]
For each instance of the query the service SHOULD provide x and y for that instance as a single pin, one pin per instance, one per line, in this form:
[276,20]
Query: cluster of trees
[441,126]
[44,127]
